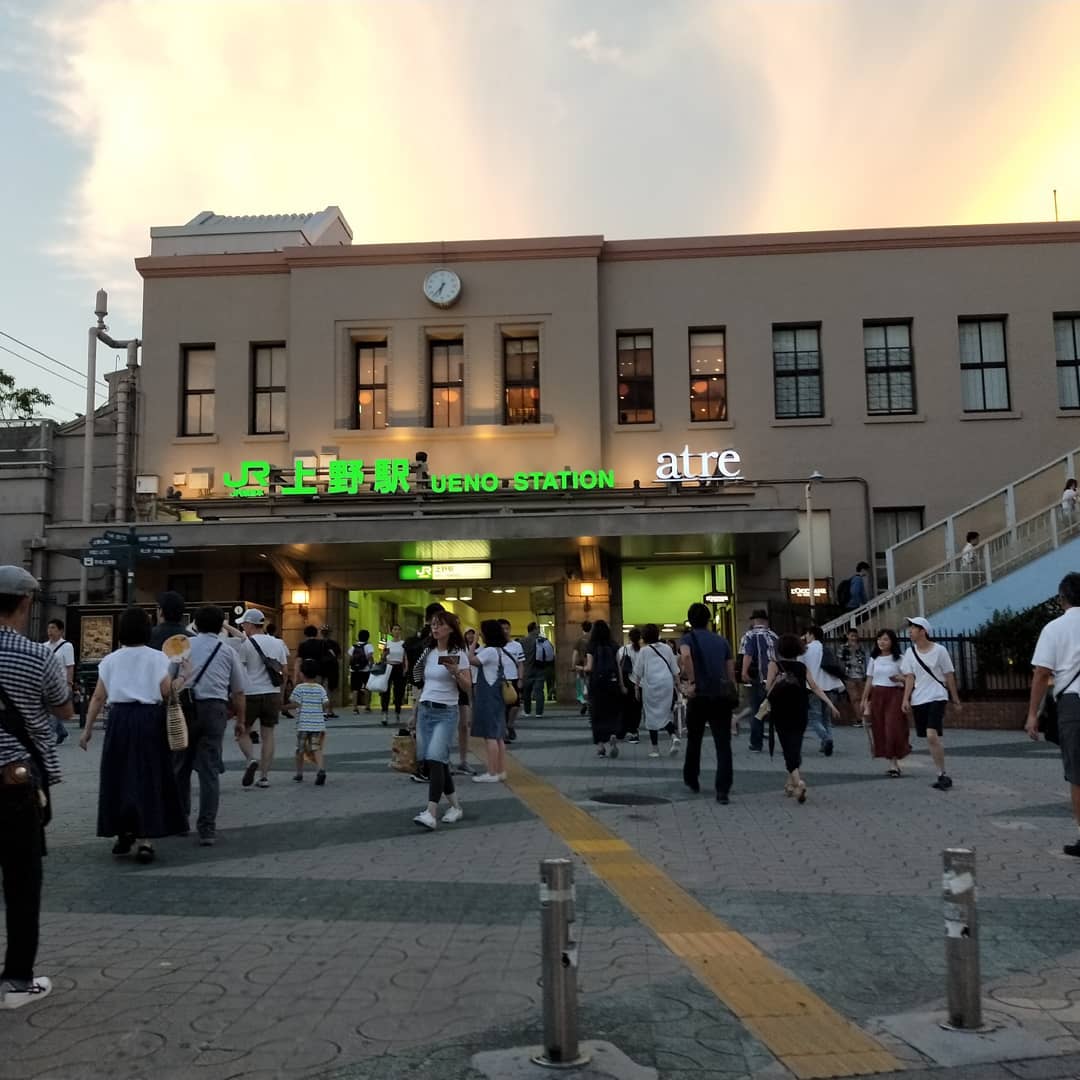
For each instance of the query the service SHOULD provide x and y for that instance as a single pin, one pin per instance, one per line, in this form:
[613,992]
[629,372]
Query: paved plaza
[326,936]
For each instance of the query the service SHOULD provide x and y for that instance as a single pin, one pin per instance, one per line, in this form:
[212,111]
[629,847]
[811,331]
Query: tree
[19,403]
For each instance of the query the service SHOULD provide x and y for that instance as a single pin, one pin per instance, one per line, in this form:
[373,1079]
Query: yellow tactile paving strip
[797,1026]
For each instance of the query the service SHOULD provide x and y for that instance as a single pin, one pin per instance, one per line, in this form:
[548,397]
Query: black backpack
[627,664]
[843,592]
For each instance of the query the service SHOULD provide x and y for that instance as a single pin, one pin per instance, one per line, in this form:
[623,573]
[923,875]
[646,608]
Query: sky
[466,119]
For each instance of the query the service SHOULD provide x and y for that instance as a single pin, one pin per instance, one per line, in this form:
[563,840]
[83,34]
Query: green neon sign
[457,571]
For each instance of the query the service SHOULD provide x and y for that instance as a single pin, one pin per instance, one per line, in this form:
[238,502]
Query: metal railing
[950,581]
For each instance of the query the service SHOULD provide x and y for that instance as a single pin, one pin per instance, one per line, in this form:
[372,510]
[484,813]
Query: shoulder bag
[14,723]
[273,667]
[1048,711]
[919,660]
[187,695]
[509,691]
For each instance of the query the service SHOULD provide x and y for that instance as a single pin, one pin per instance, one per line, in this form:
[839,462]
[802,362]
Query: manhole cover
[628,799]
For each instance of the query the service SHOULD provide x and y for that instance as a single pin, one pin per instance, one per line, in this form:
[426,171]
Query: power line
[41,367]
[76,371]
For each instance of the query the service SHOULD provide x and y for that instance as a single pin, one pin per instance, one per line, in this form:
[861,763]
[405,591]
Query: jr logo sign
[674,466]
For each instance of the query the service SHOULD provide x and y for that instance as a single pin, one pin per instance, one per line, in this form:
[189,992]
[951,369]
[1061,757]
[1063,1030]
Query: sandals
[789,789]
[800,791]
[145,854]
[894,773]
[123,845]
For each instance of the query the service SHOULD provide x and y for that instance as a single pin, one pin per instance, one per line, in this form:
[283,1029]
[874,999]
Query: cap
[918,620]
[15,581]
[253,616]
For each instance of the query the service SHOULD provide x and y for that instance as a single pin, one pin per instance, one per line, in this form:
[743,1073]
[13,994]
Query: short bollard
[558,966]
[961,940]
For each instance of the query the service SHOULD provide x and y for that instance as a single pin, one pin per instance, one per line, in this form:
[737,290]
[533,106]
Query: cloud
[588,44]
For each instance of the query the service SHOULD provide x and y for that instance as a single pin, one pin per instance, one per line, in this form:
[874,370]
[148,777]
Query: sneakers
[426,820]
[463,769]
[455,813]
[756,749]
[263,782]
[584,710]
[250,770]
[827,747]
[320,778]
[299,778]
[487,778]
[942,783]
[15,995]
[602,752]
[633,738]
[673,749]
[206,840]
[722,799]
[654,753]
[613,747]
[1072,849]
[418,777]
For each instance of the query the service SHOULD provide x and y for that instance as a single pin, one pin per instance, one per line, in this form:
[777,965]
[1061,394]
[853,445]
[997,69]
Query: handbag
[379,680]
[509,691]
[403,754]
[14,723]
[273,667]
[1048,712]
[175,724]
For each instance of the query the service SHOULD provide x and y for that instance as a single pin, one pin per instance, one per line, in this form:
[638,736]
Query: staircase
[1009,543]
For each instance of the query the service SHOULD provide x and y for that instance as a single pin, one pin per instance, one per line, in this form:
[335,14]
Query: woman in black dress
[606,689]
[788,690]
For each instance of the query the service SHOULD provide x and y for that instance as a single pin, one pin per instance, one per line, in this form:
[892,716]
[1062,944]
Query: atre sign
[674,466]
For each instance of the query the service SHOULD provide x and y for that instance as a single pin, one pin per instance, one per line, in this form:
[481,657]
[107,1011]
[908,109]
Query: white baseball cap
[918,620]
[253,616]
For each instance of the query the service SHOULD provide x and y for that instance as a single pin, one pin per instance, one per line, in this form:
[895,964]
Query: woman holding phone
[446,675]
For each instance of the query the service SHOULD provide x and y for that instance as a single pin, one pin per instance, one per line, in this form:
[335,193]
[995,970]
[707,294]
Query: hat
[253,616]
[15,581]
[918,620]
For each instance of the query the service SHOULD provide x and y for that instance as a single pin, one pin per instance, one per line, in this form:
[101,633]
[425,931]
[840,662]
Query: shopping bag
[403,754]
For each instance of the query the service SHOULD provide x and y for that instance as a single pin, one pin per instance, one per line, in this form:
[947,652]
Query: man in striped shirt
[35,686]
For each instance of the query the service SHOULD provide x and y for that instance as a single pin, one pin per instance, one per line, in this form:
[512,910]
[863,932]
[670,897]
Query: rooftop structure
[208,233]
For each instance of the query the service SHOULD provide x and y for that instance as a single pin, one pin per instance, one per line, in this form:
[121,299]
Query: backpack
[545,652]
[843,592]
[759,664]
[627,663]
[829,664]
[784,682]
[358,659]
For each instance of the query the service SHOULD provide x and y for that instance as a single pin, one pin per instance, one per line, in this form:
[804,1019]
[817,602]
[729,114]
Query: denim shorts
[436,725]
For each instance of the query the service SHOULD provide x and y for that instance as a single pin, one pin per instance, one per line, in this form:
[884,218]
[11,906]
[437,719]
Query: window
[370,385]
[521,374]
[260,587]
[984,373]
[1067,347]
[708,375]
[189,586]
[797,371]
[268,390]
[890,369]
[197,375]
[637,404]
[890,527]
[447,370]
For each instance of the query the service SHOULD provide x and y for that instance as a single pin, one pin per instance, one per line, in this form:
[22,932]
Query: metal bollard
[961,940]
[558,966]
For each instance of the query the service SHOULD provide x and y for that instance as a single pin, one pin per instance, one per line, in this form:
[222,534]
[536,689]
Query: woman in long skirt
[883,699]
[655,672]
[605,690]
[138,799]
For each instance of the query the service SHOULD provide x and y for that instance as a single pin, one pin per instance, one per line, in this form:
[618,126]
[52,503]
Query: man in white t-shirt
[260,654]
[64,651]
[516,652]
[817,718]
[1057,654]
[929,684]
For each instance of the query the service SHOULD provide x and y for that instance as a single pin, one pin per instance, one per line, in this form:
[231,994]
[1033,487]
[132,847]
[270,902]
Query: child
[310,697]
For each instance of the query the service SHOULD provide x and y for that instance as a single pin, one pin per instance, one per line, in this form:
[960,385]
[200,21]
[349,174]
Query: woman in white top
[626,658]
[655,672]
[1068,499]
[491,666]
[883,700]
[138,798]
[394,655]
[446,674]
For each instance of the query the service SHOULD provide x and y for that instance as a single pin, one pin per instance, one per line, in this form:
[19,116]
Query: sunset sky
[452,119]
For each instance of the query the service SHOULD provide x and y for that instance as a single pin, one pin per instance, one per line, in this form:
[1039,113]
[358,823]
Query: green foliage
[19,403]
[1005,642]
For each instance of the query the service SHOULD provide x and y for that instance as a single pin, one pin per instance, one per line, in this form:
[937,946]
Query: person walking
[394,656]
[1068,500]
[655,673]
[170,620]
[757,648]
[313,707]
[577,662]
[856,593]
[708,666]
[361,658]
[217,681]
[489,668]
[138,797]
[64,651]
[929,683]
[446,674]
[330,671]
[853,662]
[790,685]
[543,672]
[605,689]
[883,703]
[631,702]
[819,720]
[33,691]
[1057,657]
[265,659]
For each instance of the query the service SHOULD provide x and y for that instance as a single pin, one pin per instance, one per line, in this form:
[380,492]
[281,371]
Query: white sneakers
[12,998]
[673,749]
[654,753]
[427,820]
[489,778]
[455,813]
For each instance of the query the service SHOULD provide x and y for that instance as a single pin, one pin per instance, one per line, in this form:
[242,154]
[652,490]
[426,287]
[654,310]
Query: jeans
[22,843]
[534,689]
[203,755]
[819,720]
[717,714]
[755,699]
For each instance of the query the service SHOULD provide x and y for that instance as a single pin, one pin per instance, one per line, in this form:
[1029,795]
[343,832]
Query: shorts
[308,742]
[265,708]
[931,715]
[1068,711]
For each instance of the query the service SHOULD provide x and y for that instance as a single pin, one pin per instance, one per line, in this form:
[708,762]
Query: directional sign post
[120,550]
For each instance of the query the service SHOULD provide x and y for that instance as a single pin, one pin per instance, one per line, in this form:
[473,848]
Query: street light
[815,475]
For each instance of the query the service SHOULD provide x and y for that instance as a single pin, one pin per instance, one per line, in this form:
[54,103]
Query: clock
[442,287]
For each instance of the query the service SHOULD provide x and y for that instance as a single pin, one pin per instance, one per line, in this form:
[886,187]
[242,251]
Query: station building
[569,427]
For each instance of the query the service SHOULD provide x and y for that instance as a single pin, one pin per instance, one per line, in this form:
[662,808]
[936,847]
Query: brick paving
[325,936]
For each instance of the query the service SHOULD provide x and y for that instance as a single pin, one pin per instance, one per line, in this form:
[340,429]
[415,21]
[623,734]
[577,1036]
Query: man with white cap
[265,659]
[929,684]
[33,686]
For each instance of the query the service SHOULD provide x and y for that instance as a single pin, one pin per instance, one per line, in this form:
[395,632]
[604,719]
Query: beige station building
[612,429]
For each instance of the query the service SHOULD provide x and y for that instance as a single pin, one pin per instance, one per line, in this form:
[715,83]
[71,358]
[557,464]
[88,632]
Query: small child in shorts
[312,703]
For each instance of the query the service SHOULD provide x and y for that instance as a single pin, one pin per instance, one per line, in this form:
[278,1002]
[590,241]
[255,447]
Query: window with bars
[447,378]
[267,389]
[708,375]
[890,368]
[370,412]
[197,390]
[984,371]
[521,378]
[1067,350]
[637,401]
[797,372]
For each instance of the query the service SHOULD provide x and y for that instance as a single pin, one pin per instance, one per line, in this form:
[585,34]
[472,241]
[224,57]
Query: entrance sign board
[673,467]
[463,571]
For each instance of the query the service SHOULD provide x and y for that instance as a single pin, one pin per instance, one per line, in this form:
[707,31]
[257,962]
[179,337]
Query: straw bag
[403,754]
[175,724]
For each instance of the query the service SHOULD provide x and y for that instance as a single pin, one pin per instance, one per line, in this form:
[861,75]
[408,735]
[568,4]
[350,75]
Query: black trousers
[22,843]
[702,711]
[396,688]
